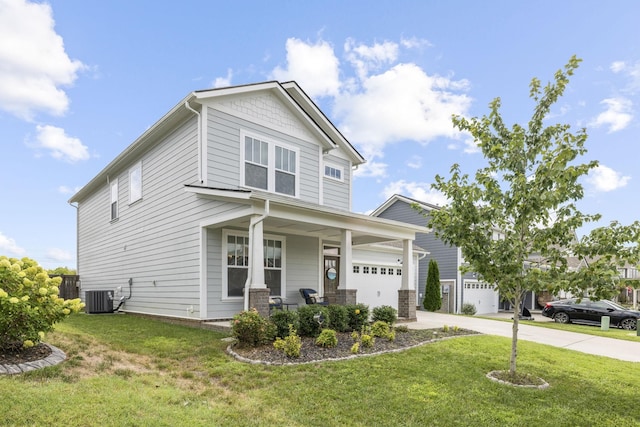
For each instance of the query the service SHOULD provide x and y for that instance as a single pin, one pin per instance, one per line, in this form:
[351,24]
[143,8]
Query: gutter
[188,107]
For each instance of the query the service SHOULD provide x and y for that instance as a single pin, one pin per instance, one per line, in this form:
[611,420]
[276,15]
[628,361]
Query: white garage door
[482,295]
[377,285]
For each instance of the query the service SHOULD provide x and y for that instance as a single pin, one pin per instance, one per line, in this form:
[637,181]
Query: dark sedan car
[591,312]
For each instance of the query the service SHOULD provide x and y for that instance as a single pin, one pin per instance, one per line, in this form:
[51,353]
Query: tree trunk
[514,333]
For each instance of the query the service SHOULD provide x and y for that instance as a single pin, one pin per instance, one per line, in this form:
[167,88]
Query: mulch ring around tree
[16,361]
[311,353]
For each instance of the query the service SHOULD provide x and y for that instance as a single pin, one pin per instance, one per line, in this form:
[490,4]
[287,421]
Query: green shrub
[402,328]
[358,316]
[385,313]
[282,319]
[309,327]
[251,329]
[432,297]
[339,317]
[367,340]
[290,345]
[355,348]
[380,329]
[468,309]
[327,338]
[29,303]
[445,328]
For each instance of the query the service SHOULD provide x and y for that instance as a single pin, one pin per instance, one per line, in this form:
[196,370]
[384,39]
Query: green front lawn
[124,370]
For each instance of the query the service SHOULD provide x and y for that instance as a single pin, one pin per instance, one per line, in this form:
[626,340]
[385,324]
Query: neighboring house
[233,195]
[457,288]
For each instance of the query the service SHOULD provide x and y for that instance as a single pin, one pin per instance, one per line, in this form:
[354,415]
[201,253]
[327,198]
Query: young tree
[516,221]
[432,298]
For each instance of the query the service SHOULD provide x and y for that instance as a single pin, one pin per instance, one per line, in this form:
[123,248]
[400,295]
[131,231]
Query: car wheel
[629,324]
[561,317]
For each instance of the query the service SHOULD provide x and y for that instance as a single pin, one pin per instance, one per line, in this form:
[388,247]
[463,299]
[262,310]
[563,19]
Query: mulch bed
[310,352]
[23,355]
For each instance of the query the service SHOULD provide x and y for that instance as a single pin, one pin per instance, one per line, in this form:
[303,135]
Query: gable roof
[400,198]
[289,93]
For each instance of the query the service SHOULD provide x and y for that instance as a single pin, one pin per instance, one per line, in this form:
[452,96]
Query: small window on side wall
[333,172]
[114,200]
[135,183]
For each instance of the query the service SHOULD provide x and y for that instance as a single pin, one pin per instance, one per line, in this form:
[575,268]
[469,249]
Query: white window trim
[336,167]
[225,276]
[271,167]
[114,186]
[137,166]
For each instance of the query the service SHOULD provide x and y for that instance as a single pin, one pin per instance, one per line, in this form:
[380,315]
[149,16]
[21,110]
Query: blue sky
[81,79]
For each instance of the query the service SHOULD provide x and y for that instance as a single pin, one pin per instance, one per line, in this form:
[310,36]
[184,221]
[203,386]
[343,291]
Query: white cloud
[366,58]
[617,116]
[632,71]
[63,189]
[313,66]
[34,62]
[380,102]
[605,179]
[416,190]
[60,145]
[9,247]
[401,103]
[415,162]
[223,81]
[471,146]
[59,255]
[413,43]
[371,169]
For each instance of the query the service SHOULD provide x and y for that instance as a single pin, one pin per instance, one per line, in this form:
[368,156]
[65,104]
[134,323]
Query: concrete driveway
[590,344]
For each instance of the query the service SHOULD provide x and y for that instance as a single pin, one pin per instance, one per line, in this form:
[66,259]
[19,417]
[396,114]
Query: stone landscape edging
[56,356]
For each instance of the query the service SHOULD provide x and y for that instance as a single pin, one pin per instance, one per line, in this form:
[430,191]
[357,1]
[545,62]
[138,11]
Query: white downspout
[188,107]
[252,225]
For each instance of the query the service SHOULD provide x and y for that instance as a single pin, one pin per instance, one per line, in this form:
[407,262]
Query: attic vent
[99,302]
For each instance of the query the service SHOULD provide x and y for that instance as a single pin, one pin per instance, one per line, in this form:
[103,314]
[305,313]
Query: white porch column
[407,265]
[346,269]
[256,257]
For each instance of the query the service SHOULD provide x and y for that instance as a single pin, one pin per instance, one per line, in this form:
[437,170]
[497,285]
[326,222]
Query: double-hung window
[270,166]
[114,200]
[237,264]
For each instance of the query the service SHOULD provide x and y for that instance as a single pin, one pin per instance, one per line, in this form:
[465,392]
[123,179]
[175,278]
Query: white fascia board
[398,197]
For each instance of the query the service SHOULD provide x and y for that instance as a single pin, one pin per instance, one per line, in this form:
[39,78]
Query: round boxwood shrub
[385,313]
[339,317]
[358,316]
[282,319]
[468,309]
[309,327]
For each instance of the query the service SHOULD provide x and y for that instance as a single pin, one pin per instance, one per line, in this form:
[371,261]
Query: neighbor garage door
[482,295]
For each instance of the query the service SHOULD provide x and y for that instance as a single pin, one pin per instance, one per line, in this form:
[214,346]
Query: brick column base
[259,299]
[346,296]
[407,304]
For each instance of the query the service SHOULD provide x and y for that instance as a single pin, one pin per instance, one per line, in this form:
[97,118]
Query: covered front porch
[264,247]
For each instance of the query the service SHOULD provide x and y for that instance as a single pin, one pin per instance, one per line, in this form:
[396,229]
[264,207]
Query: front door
[331,277]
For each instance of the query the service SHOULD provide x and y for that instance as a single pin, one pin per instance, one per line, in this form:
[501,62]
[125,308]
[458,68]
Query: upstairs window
[270,166]
[285,171]
[135,183]
[114,200]
[333,172]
